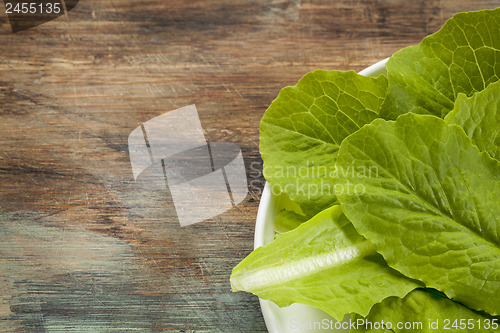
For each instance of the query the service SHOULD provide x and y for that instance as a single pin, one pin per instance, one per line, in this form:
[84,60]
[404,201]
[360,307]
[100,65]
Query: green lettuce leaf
[289,214]
[287,220]
[479,116]
[462,57]
[302,129]
[425,311]
[421,191]
[324,263]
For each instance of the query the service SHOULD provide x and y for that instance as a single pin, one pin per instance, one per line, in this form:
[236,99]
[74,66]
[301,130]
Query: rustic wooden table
[82,248]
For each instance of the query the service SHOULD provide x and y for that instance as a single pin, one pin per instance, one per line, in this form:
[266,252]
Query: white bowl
[295,318]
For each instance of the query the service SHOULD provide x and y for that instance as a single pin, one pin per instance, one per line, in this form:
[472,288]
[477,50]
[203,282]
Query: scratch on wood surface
[20,167]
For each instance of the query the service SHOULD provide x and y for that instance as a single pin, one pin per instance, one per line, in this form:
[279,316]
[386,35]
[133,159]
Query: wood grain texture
[82,248]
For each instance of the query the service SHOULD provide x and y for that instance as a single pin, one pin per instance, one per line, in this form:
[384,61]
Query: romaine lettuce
[422,191]
[324,263]
[301,132]
[462,57]
[479,116]
[425,311]
[431,204]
